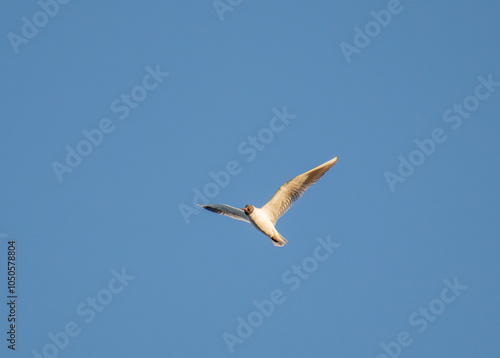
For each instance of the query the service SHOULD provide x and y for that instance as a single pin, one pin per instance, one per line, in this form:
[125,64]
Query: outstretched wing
[227,210]
[293,189]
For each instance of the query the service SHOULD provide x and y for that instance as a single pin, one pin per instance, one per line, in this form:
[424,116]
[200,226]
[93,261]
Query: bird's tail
[278,240]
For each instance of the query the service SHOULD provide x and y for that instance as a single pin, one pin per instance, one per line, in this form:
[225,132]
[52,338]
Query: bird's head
[248,209]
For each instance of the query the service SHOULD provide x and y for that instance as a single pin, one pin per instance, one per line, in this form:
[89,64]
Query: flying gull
[264,219]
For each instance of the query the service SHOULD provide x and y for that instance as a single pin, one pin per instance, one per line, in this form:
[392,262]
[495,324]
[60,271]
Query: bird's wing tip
[334,160]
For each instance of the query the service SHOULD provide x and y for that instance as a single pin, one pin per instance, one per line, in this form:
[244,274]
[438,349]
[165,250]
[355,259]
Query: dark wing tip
[212,209]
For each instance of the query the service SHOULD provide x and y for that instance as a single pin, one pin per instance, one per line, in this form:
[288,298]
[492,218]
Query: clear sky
[117,116]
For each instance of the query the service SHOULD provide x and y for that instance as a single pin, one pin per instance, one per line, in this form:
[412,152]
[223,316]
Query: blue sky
[115,115]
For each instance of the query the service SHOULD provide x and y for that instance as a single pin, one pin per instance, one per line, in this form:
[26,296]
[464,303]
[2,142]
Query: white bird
[264,219]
